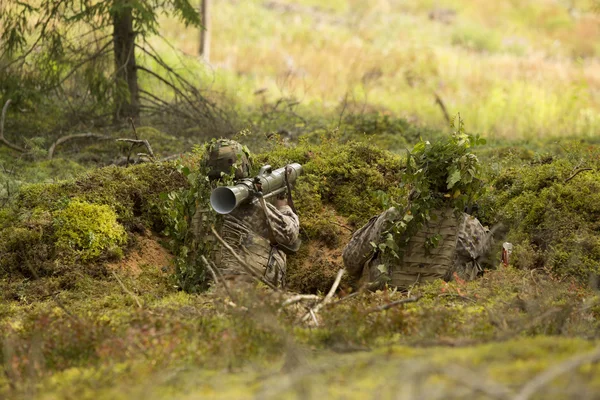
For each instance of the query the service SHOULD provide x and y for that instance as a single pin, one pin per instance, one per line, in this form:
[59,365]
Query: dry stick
[550,374]
[2,139]
[342,226]
[394,304]
[440,102]
[247,268]
[577,172]
[129,292]
[215,271]
[314,317]
[63,139]
[327,298]
[299,298]
[142,141]
[133,127]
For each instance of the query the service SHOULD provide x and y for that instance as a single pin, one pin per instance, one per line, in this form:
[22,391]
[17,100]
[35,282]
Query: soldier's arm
[359,250]
[285,224]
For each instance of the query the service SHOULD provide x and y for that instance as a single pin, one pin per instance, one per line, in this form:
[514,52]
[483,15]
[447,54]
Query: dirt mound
[147,252]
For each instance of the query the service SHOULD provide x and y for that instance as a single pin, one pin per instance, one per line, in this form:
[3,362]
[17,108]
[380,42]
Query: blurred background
[511,68]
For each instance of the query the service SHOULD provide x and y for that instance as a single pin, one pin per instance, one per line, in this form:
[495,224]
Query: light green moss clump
[86,231]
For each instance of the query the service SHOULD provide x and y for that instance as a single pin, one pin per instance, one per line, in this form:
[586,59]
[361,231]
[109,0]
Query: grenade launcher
[266,184]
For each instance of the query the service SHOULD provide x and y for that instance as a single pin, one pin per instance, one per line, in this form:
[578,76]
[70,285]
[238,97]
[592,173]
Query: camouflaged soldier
[463,242]
[260,243]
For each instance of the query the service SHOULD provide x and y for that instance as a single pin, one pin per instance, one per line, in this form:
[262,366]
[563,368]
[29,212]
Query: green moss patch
[84,231]
[53,229]
[552,206]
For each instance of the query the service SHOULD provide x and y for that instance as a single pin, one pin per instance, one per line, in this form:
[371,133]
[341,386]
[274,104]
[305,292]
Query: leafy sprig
[439,175]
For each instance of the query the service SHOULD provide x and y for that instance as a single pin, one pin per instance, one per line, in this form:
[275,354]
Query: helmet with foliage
[224,156]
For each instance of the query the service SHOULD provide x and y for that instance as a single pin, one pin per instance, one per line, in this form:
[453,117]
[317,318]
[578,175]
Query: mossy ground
[83,326]
[97,342]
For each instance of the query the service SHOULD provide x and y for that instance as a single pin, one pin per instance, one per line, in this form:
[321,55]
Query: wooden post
[205,31]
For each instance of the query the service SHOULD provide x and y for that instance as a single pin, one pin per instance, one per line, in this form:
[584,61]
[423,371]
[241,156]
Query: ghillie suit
[463,241]
[245,229]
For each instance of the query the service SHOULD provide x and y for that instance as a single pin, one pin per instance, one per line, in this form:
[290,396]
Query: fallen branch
[327,299]
[393,304]
[299,298]
[550,374]
[2,139]
[576,173]
[127,290]
[63,139]
[249,270]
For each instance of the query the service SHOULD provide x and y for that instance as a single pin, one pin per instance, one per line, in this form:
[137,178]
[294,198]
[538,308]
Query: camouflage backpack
[420,264]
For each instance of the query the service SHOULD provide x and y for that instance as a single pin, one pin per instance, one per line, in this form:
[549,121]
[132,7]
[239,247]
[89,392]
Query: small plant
[188,216]
[443,174]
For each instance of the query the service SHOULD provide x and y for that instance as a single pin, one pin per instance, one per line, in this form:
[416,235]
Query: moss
[340,175]
[67,229]
[553,212]
[85,231]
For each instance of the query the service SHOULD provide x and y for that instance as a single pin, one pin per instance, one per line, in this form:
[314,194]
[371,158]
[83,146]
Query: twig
[343,226]
[139,141]
[440,102]
[2,139]
[458,296]
[393,304]
[127,290]
[214,272]
[63,139]
[249,270]
[327,298]
[133,127]
[298,298]
[351,295]
[314,317]
[576,173]
[334,287]
[550,374]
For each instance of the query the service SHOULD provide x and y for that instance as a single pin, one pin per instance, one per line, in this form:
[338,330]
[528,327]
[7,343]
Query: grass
[517,69]
[189,346]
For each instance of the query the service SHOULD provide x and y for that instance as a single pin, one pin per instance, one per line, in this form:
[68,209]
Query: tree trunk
[127,97]
[205,31]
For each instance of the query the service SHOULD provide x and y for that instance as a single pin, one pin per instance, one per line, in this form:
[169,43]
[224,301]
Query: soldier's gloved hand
[278,203]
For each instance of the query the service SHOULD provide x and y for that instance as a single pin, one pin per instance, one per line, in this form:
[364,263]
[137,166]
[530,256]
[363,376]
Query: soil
[147,252]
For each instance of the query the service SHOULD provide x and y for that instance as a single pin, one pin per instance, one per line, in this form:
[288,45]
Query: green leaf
[453,179]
